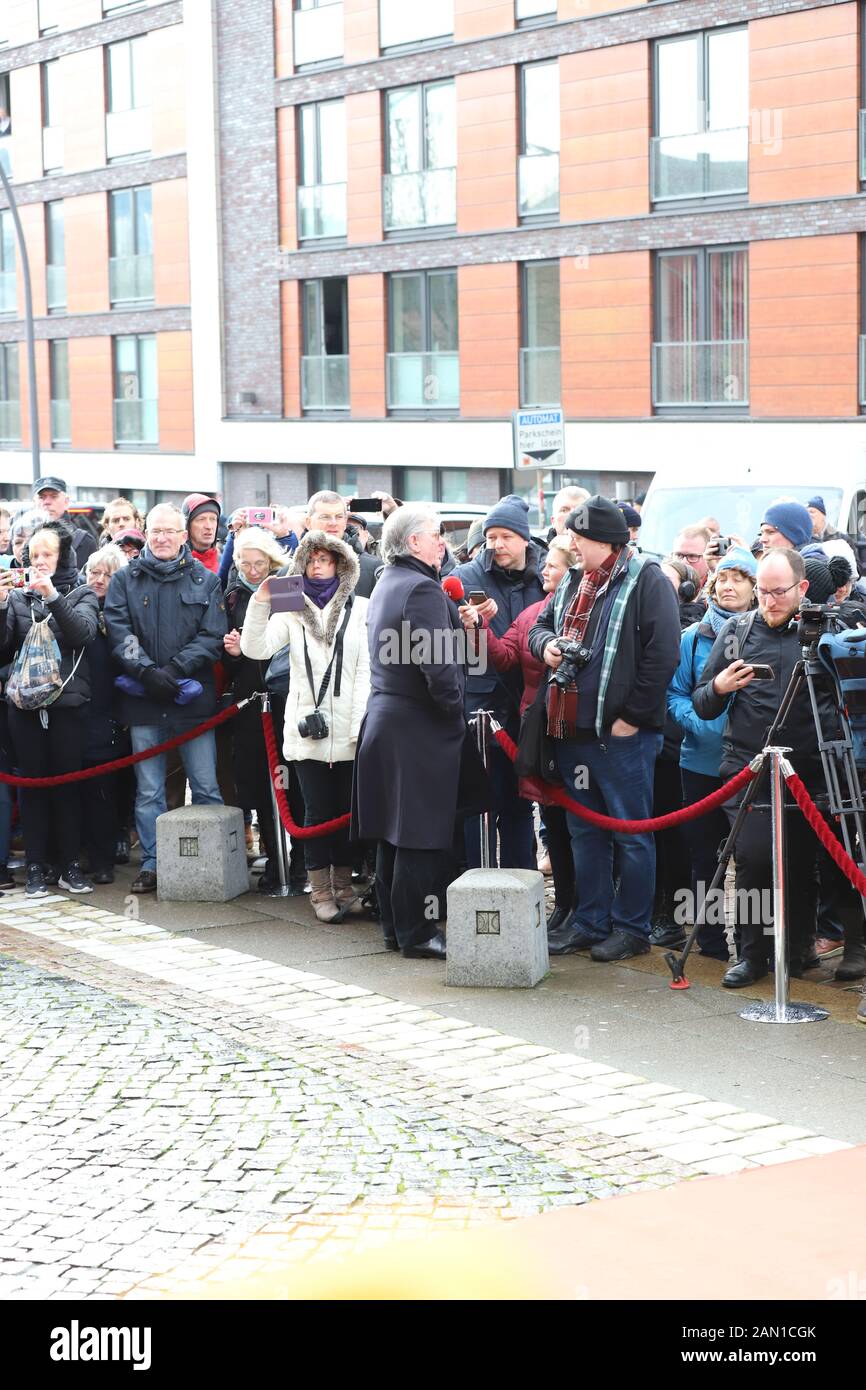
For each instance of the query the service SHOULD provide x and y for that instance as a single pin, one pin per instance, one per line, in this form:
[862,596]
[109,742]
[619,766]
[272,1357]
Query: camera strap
[336,657]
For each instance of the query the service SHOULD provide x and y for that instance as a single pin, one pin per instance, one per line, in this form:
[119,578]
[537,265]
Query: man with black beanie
[606,716]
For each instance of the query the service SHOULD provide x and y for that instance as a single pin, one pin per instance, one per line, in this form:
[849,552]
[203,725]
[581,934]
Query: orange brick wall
[290,314]
[26,101]
[86,229]
[606,307]
[803,324]
[283,37]
[364,189]
[170,242]
[489,325]
[287,178]
[168,104]
[360,30]
[605,124]
[487,150]
[477,19]
[367,344]
[174,367]
[83,110]
[91,391]
[803,96]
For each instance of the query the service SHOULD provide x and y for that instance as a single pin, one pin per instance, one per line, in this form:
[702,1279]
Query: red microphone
[454,588]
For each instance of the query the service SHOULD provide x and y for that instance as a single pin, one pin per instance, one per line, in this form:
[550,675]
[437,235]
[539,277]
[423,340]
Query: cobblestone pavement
[170,1112]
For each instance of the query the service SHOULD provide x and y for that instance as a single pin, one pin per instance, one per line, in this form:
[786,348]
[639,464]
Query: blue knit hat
[512,514]
[738,558]
[632,517]
[818,504]
[792,519]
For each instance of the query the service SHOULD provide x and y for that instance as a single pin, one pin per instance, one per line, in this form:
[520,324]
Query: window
[538,167]
[420,185]
[539,355]
[322,185]
[701,143]
[534,9]
[317,31]
[862,372]
[432,485]
[136,419]
[325,360]
[8,285]
[10,406]
[401,22]
[700,356]
[55,256]
[58,364]
[329,477]
[52,118]
[127,121]
[130,265]
[5,123]
[113,7]
[49,16]
[862,142]
[423,367]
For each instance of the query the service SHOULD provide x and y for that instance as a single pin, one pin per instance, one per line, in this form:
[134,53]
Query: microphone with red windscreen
[454,588]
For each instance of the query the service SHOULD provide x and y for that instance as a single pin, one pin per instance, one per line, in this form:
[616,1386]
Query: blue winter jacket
[701,748]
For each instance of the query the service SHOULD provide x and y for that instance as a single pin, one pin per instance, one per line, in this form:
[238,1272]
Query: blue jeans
[199,760]
[620,783]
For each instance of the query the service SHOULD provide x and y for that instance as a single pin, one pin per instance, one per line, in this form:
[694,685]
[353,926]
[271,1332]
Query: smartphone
[287,593]
[477,597]
[365,504]
[762,673]
[20,578]
[723,545]
[260,516]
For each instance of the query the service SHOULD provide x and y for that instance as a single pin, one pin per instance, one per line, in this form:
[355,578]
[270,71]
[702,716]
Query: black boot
[852,966]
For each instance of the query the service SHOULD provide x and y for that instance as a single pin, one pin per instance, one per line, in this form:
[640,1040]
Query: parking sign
[539,438]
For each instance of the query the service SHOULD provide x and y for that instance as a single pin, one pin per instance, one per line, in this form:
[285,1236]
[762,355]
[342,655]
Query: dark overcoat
[408,759]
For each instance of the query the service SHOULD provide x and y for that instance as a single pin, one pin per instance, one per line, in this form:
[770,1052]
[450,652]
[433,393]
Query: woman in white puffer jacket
[330,632]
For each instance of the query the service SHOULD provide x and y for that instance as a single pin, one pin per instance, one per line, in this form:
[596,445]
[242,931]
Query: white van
[734,477]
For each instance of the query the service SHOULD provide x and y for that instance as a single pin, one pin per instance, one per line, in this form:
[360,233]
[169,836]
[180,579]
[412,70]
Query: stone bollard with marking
[201,855]
[497,929]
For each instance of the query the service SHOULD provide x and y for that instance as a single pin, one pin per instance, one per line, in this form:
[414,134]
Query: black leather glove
[160,684]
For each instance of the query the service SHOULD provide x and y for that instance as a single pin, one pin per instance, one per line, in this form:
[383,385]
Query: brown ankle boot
[322,896]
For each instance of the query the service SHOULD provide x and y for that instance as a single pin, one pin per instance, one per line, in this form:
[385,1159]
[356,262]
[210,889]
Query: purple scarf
[321,591]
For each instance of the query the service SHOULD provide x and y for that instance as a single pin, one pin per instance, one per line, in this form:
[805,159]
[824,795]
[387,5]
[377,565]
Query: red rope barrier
[297,832]
[632,827]
[131,758]
[825,834]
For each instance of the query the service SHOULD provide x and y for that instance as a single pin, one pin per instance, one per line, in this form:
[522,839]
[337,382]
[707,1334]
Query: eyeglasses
[688,555]
[775,593]
[157,532]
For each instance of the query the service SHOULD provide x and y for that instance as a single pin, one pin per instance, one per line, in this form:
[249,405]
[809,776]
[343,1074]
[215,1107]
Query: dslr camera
[574,658]
[313,725]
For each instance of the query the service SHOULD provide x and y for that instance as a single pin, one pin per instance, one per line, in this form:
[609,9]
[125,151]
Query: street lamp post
[28,323]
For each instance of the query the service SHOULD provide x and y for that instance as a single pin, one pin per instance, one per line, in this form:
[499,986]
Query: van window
[738,507]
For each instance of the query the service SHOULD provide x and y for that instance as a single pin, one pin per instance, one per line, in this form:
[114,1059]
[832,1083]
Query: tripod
[845,802]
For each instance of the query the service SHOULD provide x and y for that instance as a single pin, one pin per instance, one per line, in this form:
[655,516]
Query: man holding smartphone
[735,680]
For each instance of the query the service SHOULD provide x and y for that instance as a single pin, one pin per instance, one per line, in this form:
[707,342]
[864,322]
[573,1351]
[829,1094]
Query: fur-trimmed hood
[348,571]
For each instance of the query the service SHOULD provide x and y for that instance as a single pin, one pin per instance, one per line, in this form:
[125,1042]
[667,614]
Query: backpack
[35,681]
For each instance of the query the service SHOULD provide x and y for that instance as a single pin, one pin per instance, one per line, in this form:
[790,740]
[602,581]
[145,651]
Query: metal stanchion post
[482,727]
[279,836]
[781,1011]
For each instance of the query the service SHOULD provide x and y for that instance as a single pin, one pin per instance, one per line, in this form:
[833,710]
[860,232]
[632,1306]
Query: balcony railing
[710,163]
[52,148]
[701,374]
[863,146]
[55,277]
[321,208]
[427,198]
[530,9]
[540,376]
[863,369]
[325,383]
[61,426]
[423,380]
[130,279]
[10,422]
[538,184]
[318,34]
[136,422]
[8,292]
[128,133]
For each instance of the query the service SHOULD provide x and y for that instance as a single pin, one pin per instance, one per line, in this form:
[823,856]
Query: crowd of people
[638,684]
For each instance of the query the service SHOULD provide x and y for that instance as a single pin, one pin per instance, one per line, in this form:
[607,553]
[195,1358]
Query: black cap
[42,483]
[599,520]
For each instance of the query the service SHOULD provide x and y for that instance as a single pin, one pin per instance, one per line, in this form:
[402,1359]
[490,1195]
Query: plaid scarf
[562,703]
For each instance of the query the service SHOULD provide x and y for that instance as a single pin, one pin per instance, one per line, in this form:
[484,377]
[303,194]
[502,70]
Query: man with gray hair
[407,763]
[165,618]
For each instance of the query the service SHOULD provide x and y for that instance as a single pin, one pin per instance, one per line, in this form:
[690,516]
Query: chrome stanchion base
[790,1013]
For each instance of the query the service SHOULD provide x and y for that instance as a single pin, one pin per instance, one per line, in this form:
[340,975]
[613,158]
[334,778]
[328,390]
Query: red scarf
[562,704]
[209,558]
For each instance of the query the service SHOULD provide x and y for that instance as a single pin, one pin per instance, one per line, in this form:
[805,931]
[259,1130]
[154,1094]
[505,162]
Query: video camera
[816,619]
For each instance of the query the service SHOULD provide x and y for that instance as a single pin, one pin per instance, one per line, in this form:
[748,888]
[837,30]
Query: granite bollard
[497,929]
[201,855]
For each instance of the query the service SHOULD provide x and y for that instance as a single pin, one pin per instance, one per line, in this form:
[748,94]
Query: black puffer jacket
[73,620]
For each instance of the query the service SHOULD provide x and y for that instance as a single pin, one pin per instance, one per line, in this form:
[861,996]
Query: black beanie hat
[599,520]
[825,577]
